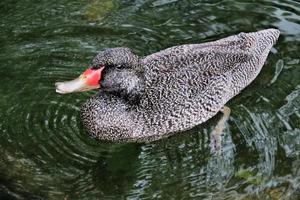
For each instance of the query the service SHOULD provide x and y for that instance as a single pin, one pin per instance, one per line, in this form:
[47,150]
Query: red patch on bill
[93,76]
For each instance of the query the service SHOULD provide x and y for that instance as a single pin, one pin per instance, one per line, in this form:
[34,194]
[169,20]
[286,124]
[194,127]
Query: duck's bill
[89,80]
[76,85]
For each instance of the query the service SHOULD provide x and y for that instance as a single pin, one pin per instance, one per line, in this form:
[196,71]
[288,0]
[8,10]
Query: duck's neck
[124,83]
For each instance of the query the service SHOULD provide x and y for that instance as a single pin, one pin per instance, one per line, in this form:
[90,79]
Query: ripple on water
[49,128]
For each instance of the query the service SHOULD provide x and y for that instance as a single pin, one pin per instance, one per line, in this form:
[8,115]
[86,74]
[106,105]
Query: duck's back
[188,84]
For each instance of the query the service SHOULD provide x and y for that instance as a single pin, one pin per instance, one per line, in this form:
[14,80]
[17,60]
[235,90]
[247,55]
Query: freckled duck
[147,98]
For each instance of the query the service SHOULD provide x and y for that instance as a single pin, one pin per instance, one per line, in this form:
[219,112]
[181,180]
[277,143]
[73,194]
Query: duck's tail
[257,45]
[264,40]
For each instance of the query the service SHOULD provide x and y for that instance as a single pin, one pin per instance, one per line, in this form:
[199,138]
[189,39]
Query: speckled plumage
[144,99]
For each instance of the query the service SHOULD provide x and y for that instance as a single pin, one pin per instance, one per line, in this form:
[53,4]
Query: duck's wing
[213,57]
[186,85]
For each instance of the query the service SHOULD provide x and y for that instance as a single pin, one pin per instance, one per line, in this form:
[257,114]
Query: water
[46,153]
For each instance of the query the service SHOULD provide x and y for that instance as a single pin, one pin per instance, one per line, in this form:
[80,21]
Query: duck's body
[144,99]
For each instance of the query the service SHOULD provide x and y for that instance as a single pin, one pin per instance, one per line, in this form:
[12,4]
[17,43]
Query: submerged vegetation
[98,9]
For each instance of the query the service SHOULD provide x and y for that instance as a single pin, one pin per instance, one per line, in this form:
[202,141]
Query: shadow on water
[45,152]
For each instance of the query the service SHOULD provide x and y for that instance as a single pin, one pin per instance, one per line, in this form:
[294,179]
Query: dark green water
[45,152]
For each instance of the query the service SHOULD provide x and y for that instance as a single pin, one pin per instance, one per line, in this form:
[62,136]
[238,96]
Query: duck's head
[112,64]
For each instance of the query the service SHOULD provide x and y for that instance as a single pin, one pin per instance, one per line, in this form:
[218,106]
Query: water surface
[46,153]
